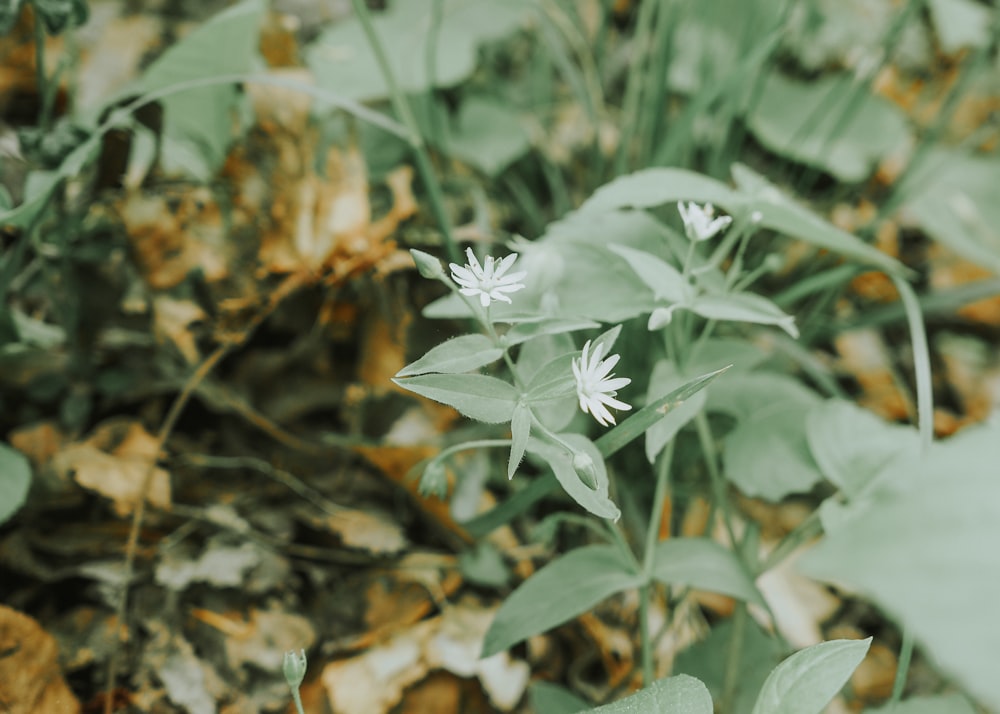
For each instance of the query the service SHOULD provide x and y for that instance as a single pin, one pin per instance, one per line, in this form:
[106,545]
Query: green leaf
[654,187]
[960,24]
[342,59]
[779,213]
[743,307]
[10,11]
[553,699]
[945,704]
[663,279]
[15,479]
[708,659]
[60,14]
[203,117]
[478,397]
[851,445]
[488,135]
[638,423]
[483,565]
[703,564]
[563,589]
[672,695]
[807,681]
[454,356]
[743,395]
[520,430]
[663,380]
[767,455]
[950,195]
[549,326]
[836,124]
[926,552]
[568,470]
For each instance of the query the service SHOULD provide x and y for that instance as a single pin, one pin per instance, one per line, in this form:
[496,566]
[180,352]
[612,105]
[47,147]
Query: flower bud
[294,668]
[427,265]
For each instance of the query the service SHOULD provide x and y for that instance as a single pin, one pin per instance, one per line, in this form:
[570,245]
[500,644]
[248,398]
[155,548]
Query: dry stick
[140,510]
[290,285]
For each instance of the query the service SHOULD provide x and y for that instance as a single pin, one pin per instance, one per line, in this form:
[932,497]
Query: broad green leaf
[743,307]
[563,589]
[950,196]
[835,124]
[459,354]
[851,445]
[478,397]
[807,681]
[550,698]
[719,352]
[534,356]
[15,479]
[767,454]
[650,188]
[225,45]
[487,135]
[637,424]
[708,659]
[552,326]
[926,552]
[742,395]
[672,695]
[663,279]
[945,704]
[781,214]
[960,24]
[554,379]
[343,61]
[581,474]
[663,380]
[703,564]
[483,565]
[520,430]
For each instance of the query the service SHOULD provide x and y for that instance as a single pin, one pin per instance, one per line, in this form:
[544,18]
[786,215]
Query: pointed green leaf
[638,423]
[459,354]
[807,681]
[662,381]
[743,307]
[520,430]
[663,279]
[571,470]
[703,564]
[552,326]
[655,187]
[563,589]
[478,397]
[672,695]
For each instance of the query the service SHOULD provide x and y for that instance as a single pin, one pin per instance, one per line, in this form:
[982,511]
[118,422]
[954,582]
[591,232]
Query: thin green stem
[467,445]
[734,657]
[805,531]
[414,137]
[902,668]
[297,698]
[633,90]
[656,512]
[45,114]
[715,475]
[645,638]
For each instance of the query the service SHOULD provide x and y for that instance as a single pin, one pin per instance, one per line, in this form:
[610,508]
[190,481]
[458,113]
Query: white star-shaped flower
[595,386]
[700,222]
[489,280]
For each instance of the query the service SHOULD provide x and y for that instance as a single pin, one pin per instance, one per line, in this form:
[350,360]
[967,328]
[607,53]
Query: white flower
[595,386]
[487,281]
[700,222]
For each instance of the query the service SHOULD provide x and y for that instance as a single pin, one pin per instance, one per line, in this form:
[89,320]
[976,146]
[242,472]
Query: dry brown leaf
[368,531]
[263,640]
[113,462]
[30,680]
[281,107]
[39,441]
[374,681]
[798,603]
[864,356]
[172,320]
[950,271]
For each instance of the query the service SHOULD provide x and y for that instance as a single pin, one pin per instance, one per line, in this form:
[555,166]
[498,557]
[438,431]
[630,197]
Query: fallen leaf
[172,320]
[30,680]
[113,462]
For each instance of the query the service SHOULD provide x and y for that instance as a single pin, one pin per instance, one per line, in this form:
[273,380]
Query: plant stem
[656,514]
[414,137]
[45,113]
[645,637]
[633,90]
[298,701]
[902,668]
[734,657]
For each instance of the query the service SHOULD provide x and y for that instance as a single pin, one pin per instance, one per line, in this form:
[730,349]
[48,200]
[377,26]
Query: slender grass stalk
[434,124]
[902,668]
[48,96]
[734,657]
[402,108]
[652,115]
[644,36]
[645,636]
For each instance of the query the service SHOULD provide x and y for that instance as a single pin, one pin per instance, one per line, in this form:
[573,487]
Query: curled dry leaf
[30,680]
